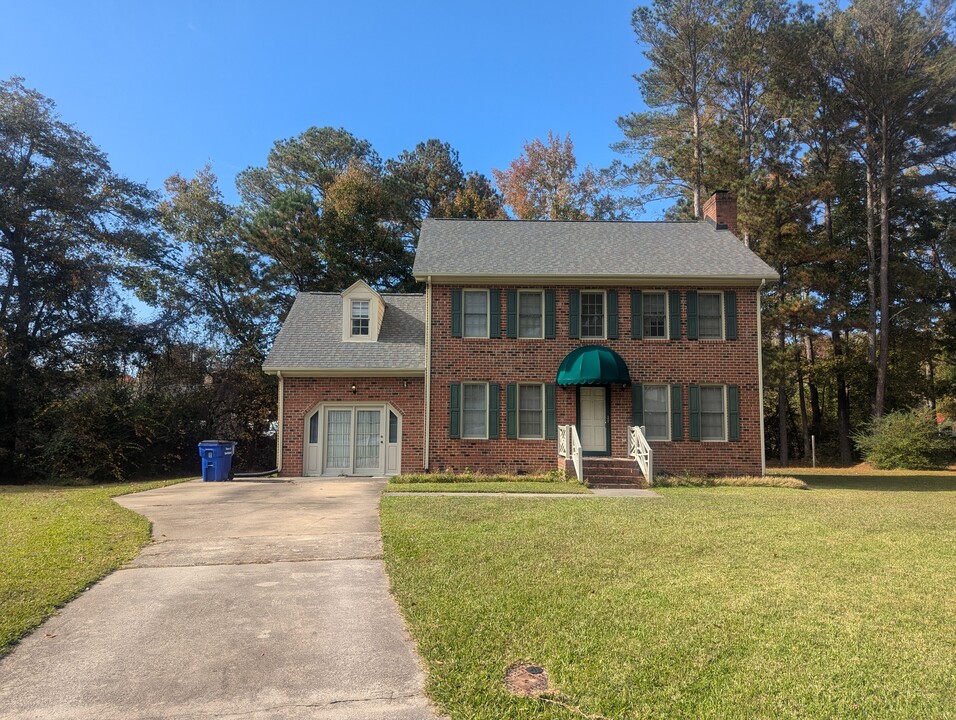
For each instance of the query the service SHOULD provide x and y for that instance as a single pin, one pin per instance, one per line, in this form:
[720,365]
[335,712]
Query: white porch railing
[640,450]
[569,446]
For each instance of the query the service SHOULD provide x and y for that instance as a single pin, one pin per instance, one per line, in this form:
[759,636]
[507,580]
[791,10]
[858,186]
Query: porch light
[353,388]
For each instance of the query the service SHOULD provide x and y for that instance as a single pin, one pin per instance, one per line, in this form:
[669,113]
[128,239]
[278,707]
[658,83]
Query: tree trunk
[883,365]
[698,164]
[782,404]
[804,420]
[871,269]
[843,398]
[816,413]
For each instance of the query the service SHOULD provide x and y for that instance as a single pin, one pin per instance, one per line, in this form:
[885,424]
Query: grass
[552,482]
[55,542]
[780,481]
[490,487]
[723,602]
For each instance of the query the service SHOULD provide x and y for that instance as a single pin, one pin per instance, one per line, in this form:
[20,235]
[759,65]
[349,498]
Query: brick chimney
[721,209]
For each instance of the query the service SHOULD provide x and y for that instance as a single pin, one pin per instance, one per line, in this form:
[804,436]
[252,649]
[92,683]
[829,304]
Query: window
[474,410]
[531,411]
[314,428]
[360,317]
[656,426]
[592,315]
[392,427]
[710,317]
[712,412]
[530,314]
[476,313]
[655,315]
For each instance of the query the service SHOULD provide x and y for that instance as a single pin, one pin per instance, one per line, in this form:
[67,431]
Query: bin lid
[217,442]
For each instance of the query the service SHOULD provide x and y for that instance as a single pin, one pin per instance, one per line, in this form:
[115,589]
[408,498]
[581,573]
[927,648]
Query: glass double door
[353,441]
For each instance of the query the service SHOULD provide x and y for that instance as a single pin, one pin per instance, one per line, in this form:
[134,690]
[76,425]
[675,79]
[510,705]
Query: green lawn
[711,603]
[490,487]
[55,542]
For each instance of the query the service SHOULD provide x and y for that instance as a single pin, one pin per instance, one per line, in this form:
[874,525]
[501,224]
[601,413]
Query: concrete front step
[613,473]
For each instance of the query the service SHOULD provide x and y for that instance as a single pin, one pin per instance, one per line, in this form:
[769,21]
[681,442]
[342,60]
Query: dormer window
[360,318]
[362,312]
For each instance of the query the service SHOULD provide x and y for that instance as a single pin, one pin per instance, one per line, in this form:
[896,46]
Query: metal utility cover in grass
[526,680]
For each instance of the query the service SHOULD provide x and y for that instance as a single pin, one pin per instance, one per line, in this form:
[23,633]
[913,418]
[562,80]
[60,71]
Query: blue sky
[166,86]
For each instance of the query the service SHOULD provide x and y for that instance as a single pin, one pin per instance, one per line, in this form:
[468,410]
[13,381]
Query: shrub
[905,440]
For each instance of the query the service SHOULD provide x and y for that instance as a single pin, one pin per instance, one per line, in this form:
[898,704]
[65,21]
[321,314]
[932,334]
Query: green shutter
[574,313]
[494,412]
[733,412]
[730,315]
[549,325]
[511,411]
[677,413]
[454,410]
[456,312]
[637,315]
[691,314]
[612,314]
[673,298]
[550,414]
[637,404]
[693,410]
[494,313]
[511,313]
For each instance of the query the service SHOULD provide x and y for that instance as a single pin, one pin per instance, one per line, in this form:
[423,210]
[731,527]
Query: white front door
[593,419]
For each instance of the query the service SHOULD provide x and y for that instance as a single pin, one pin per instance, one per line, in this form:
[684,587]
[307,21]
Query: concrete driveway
[257,600]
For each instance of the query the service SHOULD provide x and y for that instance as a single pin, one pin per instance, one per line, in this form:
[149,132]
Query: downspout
[428,367]
[280,423]
[763,441]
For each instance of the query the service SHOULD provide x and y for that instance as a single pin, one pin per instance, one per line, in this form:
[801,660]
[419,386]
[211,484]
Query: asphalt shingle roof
[311,336]
[528,248]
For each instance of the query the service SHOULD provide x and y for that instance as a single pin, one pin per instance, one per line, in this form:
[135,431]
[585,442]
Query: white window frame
[603,335]
[540,387]
[464,324]
[667,315]
[723,400]
[667,410]
[539,293]
[720,307]
[353,318]
[461,419]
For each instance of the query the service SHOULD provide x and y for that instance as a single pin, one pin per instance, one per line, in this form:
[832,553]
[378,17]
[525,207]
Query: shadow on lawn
[887,483]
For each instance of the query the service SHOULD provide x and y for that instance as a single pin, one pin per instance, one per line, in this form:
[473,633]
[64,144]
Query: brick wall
[507,360]
[302,395]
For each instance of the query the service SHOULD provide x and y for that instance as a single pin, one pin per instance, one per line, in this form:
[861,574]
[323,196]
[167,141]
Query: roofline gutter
[428,375]
[763,440]
[585,280]
[346,372]
[280,423]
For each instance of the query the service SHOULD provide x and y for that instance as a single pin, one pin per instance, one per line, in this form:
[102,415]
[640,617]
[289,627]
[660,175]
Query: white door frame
[316,452]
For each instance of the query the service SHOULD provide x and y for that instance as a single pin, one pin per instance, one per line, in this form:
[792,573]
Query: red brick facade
[507,360]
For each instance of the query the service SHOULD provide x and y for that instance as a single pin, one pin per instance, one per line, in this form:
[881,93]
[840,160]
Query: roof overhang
[593,365]
[345,372]
[588,280]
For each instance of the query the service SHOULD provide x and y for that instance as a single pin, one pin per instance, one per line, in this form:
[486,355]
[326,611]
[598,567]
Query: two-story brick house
[526,327]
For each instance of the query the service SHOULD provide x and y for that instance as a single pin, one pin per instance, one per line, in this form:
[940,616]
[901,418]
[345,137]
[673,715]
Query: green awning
[593,365]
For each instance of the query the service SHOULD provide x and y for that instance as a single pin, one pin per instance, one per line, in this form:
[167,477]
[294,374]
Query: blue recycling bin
[216,459]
